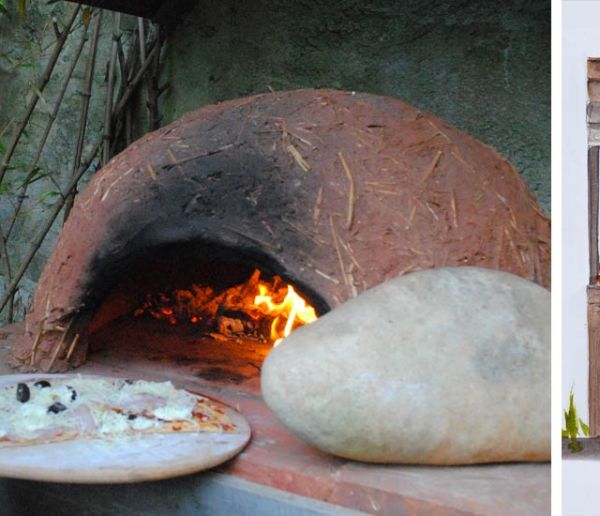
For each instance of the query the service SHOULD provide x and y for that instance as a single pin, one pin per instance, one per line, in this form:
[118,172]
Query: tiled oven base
[276,459]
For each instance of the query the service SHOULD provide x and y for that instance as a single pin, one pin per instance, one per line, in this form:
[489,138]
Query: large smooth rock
[442,366]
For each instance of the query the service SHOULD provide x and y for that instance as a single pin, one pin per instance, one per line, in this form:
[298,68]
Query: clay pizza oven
[331,192]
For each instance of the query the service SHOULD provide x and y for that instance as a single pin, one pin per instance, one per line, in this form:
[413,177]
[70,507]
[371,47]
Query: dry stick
[123,75]
[72,346]
[35,345]
[133,57]
[142,43]
[142,40]
[39,87]
[131,63]
[8,269]
[59,345]
[151,171]
[133,85]
[431,168]
[317,209]
[121,60]
[49,125]
[128,125]
[338,252]
[152,85]
[110,89]
[128,70]
[169,166]
[351,199]
[454,210]
[85,103]
[126,94]
[6,127]
[42,235]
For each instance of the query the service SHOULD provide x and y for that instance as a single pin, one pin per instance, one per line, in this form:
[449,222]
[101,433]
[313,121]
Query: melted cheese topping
[99,406]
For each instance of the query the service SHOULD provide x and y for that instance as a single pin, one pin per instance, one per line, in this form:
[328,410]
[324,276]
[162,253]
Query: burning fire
[290,313]
[243,308]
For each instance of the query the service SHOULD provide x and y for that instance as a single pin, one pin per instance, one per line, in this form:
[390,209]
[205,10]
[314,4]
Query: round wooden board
[132,459]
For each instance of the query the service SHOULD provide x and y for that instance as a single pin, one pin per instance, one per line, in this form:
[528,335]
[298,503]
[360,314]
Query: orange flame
[274,301]
[293,311]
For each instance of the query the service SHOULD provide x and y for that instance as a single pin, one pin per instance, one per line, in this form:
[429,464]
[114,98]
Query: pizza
[60,409]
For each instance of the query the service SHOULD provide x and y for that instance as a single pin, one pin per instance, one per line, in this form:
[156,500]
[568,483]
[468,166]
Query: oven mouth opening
[214,310]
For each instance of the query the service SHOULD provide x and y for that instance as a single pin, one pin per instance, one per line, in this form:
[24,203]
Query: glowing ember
[246,308]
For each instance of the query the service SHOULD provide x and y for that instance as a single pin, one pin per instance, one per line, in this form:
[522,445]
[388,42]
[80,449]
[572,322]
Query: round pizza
[59,409]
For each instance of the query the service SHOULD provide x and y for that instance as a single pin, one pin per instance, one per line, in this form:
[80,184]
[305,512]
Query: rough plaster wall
[484,66]
[25,47]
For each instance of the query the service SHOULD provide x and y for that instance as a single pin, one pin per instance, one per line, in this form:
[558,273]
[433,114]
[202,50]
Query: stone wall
[483,66]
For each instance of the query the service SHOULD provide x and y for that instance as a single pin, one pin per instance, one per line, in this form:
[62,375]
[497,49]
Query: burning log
[230,326]
[268,309]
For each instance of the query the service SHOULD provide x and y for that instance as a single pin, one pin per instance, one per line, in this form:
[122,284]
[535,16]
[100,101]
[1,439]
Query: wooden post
[593,212]
[593,295]
[593,289]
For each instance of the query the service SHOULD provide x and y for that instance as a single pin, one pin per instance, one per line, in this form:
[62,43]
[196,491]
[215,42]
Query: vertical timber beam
[593,295]
[593,212]
[593,289]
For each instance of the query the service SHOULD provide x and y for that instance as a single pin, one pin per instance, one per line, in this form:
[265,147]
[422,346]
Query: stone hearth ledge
[277,459]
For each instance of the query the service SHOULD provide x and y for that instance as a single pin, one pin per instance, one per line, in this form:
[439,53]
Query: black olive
[131,417]
[23,393]
[42,384]
[73,393]
[57,407]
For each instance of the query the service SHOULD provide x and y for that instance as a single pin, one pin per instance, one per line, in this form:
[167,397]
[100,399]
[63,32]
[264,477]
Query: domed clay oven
[333,191]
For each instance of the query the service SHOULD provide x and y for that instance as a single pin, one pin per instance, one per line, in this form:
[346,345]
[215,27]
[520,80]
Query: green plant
[573,425]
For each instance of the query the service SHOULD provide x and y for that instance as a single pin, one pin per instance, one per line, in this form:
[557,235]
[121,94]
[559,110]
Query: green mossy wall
[483,66]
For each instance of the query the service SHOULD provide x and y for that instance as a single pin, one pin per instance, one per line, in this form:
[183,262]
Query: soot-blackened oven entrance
[213,310]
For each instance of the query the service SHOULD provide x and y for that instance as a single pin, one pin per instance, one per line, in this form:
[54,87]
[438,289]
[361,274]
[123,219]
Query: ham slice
[83,420]
[142,403]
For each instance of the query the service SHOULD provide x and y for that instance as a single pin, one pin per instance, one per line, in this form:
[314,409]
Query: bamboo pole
[129,68]
[132,86]
[117,111]
[142,42]
[110,89]
[8,271]
[51,119]
[60,42]
[153,88]
[5,236]
[85,103]
[126,95]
